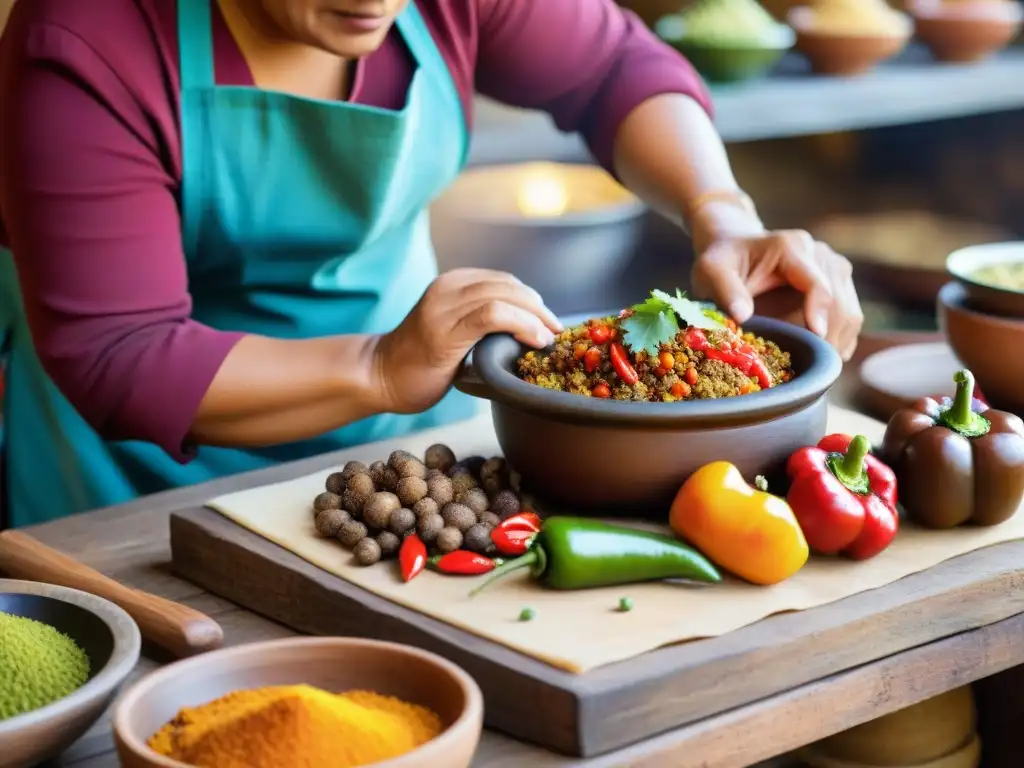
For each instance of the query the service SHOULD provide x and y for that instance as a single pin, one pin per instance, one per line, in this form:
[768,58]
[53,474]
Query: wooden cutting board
[619,703]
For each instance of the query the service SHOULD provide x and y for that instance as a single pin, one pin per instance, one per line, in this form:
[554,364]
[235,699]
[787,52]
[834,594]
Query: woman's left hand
[732,270]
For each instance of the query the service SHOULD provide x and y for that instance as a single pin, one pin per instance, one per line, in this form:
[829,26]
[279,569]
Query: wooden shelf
[793,102]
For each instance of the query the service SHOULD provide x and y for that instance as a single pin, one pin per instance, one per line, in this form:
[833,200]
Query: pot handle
[469,382]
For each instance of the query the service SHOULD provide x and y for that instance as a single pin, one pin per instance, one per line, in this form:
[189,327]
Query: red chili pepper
[843,497]
[462,562]
[601,391]
[512,541]
[592,359]
[412,557]
[523,521]
[745,360]
[743,357]
[621,364]
[599,334]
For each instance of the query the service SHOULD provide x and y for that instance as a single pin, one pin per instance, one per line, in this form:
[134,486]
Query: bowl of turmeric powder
[337,701]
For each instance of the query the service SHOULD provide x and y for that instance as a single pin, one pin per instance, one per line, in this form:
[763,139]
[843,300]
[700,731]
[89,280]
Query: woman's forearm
[270,391]
[668,152]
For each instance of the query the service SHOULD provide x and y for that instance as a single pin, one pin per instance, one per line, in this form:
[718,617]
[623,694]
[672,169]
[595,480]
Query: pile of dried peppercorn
[436,505]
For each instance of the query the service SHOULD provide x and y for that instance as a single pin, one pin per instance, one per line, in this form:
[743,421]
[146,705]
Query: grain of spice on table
[410,507]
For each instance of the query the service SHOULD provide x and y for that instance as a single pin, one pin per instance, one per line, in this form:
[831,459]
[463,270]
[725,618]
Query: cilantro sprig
[656,320]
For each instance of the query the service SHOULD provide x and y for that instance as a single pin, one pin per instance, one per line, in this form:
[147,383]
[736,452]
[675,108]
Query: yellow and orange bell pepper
[745,530]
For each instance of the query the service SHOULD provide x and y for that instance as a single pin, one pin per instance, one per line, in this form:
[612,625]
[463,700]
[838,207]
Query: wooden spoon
[176,628]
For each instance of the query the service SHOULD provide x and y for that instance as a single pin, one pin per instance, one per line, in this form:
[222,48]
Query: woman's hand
[732,270]
[416,363]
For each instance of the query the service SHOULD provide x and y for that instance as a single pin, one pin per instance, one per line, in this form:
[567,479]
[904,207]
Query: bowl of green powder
[727,40]
[63,656]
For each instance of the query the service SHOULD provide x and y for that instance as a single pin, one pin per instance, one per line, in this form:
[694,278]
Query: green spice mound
[38,665]
[739,22]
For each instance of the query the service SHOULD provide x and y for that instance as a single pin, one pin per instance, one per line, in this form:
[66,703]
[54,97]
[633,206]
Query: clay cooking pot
[601,456]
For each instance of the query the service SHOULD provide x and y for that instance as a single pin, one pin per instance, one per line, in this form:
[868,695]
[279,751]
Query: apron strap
[195,44]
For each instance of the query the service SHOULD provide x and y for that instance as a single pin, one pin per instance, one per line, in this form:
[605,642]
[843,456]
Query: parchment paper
[578,631]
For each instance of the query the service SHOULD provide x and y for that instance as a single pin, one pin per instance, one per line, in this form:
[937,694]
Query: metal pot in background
[569,231]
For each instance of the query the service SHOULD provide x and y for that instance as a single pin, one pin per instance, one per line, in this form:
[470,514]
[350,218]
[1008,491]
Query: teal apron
[300,218]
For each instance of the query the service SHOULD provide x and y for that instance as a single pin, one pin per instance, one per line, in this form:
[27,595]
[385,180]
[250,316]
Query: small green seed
[625,604]
[527,614]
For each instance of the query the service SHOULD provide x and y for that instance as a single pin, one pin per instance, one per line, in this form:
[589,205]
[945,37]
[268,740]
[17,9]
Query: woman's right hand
[415,364]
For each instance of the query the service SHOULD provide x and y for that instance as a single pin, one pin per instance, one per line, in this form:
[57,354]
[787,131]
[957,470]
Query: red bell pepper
[843,497]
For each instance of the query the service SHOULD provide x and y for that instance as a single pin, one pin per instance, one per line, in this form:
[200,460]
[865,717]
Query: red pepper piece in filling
[621,364]
[843,498]
[599,334]
[592,359]
[462,562]
[412,557]
[744,358]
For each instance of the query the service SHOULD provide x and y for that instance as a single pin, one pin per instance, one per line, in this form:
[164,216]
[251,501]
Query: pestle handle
[172,626]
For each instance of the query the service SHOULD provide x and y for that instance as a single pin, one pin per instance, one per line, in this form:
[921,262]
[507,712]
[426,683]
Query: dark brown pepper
[475,499]
[489,518]
[478,538]
[352,533]
[326,500]
[473,464]
[329,522]
[378,508]
[402,521]
[389,543]
[335,483]
[367,552]
[376,472]
[492,485]
[425,506]
[428,528]
[449,539]
[458,516]
[441,490]
[407,465]
[353,468]
[462,483]
[956,461]
[361,483]
[505,504]
[439,457]
[410,490]
[493,467]
[353,502]
[388,480]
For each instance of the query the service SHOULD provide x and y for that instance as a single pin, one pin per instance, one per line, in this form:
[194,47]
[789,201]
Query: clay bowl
[964,263]
[964,32]
[986,344]
[832,53]
[726,62]
[330,663]
[108,636]
[602,456]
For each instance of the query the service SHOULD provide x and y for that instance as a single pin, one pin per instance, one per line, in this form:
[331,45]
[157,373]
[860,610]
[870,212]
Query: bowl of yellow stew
[992,276]
[727,40]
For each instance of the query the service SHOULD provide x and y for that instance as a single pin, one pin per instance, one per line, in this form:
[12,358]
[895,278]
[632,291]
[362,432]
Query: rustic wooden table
[130,544]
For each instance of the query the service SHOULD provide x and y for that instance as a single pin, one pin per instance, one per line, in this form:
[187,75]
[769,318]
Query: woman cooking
[217,252]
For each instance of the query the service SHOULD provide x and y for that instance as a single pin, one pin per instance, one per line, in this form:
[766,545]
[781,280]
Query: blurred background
[893,131]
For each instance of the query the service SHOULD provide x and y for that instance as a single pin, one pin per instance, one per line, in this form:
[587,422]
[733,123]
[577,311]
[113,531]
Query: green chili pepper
[577,553]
